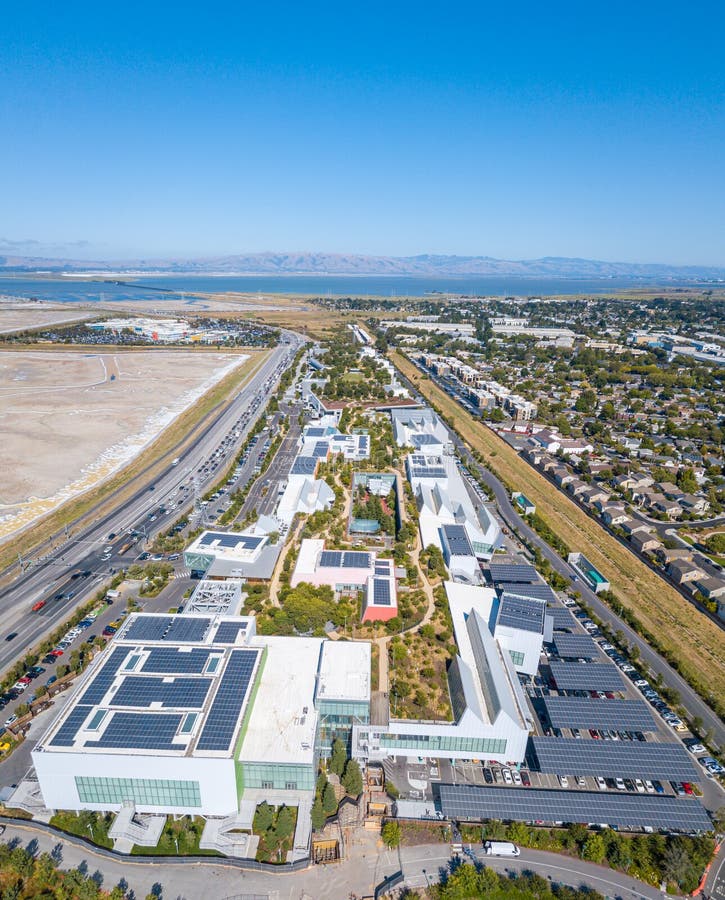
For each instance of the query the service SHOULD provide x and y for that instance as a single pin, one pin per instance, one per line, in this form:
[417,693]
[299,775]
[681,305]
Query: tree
[339,757]
[263,818]
[329,800]
[318,815]
[594,849]
[686,481]
[676,863]
[391,834]
[352,779]
[285,823]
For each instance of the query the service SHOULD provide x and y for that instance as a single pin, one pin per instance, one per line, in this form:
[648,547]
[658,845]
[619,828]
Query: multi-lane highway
[94,553]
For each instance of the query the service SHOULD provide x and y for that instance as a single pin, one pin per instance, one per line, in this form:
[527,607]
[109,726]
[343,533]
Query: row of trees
[348,771]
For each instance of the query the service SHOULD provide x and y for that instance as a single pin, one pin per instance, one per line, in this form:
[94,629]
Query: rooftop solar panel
[586,712]
[521,613]
[353,559]
[139,731]
[230,540]
[147,628]
[457,540]
[330,559]
[181,693]
[536,591]
[227,632]
[304,465]
[101,682]
[187,628]
[611,759]
[223,716]
[381,592]
[322,448]
[421,471]
[575,676]
[563,619]
[170,661]
[576,646]
[616,810]
[66,734]
[518,573]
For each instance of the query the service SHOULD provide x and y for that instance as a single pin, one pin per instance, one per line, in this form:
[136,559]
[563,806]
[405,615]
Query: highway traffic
[74,571]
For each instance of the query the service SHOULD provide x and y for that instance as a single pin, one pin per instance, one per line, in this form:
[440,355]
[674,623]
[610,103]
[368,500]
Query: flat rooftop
[170,685]
[345,671]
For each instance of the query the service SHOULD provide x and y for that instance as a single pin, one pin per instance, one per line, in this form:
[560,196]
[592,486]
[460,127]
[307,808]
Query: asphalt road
[690,698]
[85,551]
[365,867]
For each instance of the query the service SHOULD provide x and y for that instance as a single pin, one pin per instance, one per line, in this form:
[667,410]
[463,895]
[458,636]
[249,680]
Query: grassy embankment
[172,441]
[690,640]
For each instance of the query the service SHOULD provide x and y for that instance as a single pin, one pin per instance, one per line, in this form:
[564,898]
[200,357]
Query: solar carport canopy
[616,810]
[563,619]
[611,759]
[575,646]
[585,712]
[572,676]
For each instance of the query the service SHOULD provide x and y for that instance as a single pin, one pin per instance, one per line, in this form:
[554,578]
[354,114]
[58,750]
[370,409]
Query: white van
[501,848]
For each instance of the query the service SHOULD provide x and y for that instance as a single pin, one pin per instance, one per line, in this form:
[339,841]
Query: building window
[268,785]
[517,658]
[143,791]
[290,785]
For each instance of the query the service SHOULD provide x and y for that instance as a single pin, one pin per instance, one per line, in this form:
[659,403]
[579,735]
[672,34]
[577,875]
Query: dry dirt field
[69,419]
[17,316]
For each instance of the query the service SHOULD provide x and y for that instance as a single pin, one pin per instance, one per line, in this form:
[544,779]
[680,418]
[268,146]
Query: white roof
[345,671]
[283,720]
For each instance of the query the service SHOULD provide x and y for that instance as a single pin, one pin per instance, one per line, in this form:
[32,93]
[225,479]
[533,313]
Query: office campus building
[200,715]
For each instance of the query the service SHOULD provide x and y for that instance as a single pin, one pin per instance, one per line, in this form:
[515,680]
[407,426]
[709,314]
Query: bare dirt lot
[69,419]
[18,315]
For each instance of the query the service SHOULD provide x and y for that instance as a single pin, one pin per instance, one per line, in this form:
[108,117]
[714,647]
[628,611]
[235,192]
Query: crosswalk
[182,573]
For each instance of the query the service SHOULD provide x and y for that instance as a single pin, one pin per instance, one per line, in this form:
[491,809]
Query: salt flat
[69,419]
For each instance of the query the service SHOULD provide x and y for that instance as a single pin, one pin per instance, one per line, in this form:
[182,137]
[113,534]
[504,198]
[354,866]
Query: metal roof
[586,712]
[611,759]
[576,676]
[575,646]
[530,805]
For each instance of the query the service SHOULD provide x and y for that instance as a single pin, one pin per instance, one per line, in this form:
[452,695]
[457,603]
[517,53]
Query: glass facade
[336,720]
[517,658]
[431,744]
[278,777]
[143,791]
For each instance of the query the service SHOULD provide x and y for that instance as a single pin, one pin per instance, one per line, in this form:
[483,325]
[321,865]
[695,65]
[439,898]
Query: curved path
[366,866]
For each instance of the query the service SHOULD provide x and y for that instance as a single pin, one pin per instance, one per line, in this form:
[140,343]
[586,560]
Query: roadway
[692,701]
[91,552]
[365,867]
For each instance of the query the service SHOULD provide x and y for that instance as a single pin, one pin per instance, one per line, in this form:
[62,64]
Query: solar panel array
[381,592]
[167,628]
[586,712]
[519,612]
[188,628]
[230,540]
[425,471]
[322,448]
[563,619]
[96,690]
[66,734]
[147,628]
[227,632]
[575,646]
[170,661]
[421,440]
[222,718]
[611,759]
[304,465]
[575,676]
[349,559]
[140,731]
[382,568]
[458,541]
[616,810]
[537,591]
[181,693]
[517,573]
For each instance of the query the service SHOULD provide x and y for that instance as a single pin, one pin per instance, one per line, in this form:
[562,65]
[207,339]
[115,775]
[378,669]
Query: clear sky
[512,130]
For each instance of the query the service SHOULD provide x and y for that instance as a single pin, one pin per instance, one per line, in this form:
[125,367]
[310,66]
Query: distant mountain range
[353,264]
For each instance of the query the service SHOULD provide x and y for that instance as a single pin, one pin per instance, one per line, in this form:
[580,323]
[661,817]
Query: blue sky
[562,129]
